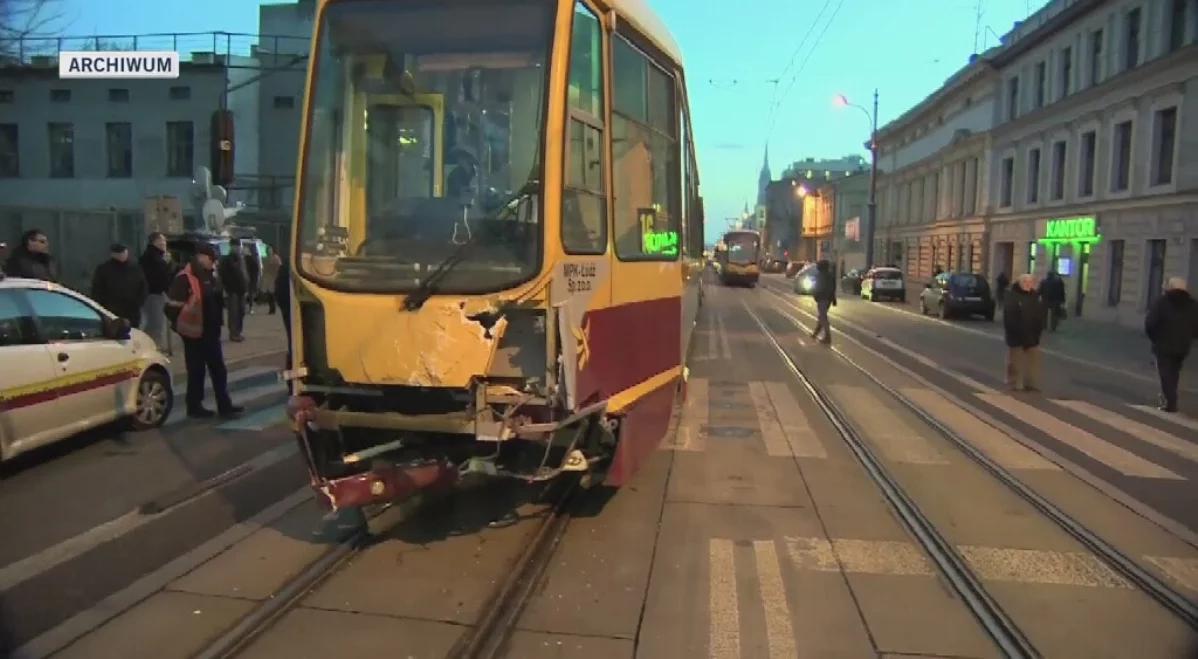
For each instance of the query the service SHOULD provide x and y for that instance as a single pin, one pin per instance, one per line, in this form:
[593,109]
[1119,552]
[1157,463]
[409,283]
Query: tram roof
[647,21]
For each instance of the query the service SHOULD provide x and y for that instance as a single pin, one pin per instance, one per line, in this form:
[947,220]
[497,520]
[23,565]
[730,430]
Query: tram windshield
[423,154]
[742,247]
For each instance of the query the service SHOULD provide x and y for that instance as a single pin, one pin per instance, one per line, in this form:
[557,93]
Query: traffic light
[222,147]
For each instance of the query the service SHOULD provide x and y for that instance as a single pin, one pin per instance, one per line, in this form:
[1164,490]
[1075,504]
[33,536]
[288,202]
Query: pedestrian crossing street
[770,414]
[764,568]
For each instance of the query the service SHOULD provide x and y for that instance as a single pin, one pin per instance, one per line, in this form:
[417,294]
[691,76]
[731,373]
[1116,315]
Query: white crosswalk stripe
[881,426]
[1142,431]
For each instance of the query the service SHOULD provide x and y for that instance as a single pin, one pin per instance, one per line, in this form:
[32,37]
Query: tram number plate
[580,277]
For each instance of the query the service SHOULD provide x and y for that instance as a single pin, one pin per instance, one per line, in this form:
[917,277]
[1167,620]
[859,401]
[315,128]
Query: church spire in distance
[764,178]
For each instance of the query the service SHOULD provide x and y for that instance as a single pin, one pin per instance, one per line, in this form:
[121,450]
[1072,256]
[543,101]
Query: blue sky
[904,48]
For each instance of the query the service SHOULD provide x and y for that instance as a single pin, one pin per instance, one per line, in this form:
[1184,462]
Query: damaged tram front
[457,271]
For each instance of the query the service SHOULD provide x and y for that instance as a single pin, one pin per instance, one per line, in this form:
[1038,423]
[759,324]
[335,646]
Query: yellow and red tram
[497,248]
[740,258]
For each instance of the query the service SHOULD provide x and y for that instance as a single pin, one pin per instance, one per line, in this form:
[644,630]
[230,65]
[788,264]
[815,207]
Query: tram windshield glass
[742,247]
[423,154]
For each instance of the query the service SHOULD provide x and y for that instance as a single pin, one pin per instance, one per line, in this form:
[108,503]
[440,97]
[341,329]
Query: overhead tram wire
[795,77]
[774,102]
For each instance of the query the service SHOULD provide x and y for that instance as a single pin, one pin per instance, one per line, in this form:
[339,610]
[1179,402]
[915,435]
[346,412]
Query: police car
[71,365]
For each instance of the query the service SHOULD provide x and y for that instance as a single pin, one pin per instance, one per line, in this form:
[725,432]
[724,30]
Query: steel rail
[1001,628]
[1155,587]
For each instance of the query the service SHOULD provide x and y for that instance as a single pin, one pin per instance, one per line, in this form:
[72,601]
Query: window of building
[971,187]
[1013,98]
[645,150]
[10,151]
[180,148]
[62,150]
[1121,157]
[1032,249]
[1033,176]
[1095,57]
[120,149]
[1163,142]
[959,202]
[1114,287]
[118,95]
[1058,170]
[180,93]
[7,96]
[1131,45]
[60,96]
[584,200]
[1008,178]
[1177,25]
[1041,83]
[1085,172]
[284,102]
[1066,73]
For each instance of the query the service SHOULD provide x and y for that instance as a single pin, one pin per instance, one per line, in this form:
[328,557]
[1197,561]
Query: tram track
[1144,580]
[487,637]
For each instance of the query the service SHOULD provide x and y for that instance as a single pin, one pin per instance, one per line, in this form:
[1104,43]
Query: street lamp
[801,191]
[871,219]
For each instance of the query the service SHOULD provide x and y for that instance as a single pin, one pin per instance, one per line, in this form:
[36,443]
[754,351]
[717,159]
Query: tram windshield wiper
[425,290]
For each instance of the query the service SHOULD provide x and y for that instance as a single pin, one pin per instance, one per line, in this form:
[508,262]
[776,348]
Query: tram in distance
[740,258]
[497,244]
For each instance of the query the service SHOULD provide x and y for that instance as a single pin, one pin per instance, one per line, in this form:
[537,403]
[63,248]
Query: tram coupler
[385,484]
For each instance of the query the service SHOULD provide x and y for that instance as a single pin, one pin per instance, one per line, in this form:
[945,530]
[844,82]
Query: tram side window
[584,200]
[646,166]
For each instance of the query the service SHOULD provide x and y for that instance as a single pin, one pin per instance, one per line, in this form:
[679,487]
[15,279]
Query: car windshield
[424,142]
[742,247]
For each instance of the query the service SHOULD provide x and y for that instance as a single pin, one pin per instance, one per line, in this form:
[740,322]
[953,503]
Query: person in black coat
[824,293]
[119,285]
[1023,322]
[282,295]
[158,271]
[236,283]
[1172,325]
[31,259]
[1052,292]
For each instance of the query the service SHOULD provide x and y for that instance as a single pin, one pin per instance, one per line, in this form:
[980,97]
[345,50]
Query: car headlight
[808,283]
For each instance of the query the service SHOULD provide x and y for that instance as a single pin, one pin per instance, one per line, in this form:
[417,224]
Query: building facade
[1095,151]
[932,162]
[850,204]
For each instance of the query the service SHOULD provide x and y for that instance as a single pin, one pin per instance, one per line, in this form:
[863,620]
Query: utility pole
[872,216]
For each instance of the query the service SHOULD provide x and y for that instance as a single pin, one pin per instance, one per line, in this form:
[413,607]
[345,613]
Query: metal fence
[195,47]
[79,239]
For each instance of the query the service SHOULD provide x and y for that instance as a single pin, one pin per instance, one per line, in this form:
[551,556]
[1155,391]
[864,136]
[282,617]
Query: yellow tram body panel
[515,315]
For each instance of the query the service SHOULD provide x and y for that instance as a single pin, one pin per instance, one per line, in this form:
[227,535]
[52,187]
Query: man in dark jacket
[1052,292]
[202,353]
[1023,322]
[282,296]
[253,271]
[120,286]
[1172,324]
[31,259]
[824,293]
[235,281]
[156,268]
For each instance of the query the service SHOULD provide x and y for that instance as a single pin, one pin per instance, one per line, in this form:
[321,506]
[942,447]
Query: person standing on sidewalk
[253,271]
[1172,325]
[1023,322]
[120,286]
[1052,292]
[270,272]
[31,259]
[157,270]
[825,297]
[194,304]
[235,282]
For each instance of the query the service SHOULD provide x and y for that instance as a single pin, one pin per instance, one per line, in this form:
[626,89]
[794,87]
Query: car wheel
[154,400]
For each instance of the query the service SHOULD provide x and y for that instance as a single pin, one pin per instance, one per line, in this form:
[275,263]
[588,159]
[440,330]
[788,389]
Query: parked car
[957,294]
[71,365]
[805,280]
[850,282]
[794,267]
[884,284]
[773,266]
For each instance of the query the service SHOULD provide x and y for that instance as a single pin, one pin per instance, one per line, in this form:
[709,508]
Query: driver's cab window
[63,318]
[400,151]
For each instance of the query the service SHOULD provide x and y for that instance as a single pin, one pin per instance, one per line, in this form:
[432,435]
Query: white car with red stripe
[68,364]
